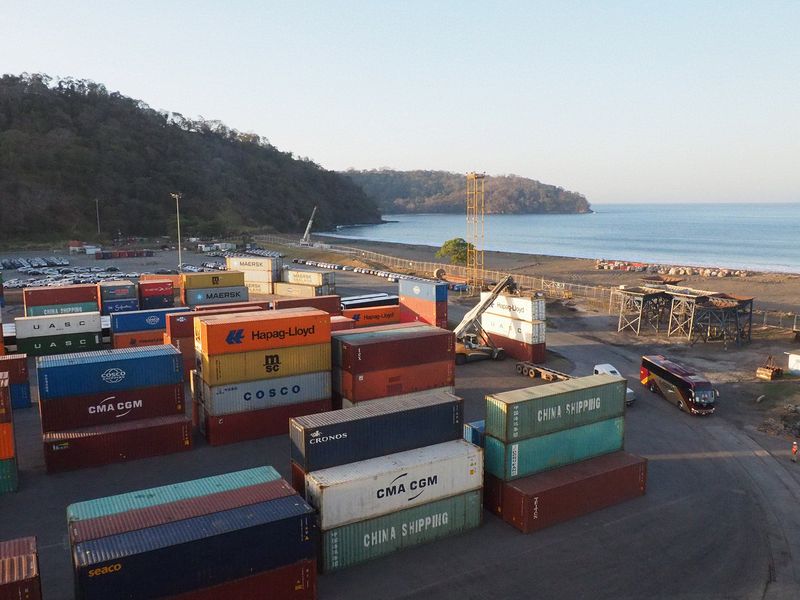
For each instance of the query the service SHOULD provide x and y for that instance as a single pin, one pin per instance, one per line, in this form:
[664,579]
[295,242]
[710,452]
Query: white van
[608,369]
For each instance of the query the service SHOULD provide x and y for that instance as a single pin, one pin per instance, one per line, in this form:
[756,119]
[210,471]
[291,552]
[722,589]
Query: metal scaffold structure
[641,306]
[476,209]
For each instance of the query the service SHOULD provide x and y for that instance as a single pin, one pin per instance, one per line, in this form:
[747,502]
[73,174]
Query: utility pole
[177,196]
[97,210]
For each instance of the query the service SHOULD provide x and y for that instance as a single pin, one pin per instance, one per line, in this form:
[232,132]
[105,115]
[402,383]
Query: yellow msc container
[193,281]
[223,369]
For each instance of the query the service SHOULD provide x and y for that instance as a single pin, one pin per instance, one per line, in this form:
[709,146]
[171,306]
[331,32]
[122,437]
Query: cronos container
[392,382]
[269,393]
[534,455]
[106,444]
[430,291]
[543,409]
[221,369]
[223,279]
[375,429]
[118,289]
[51,325]
[66,294]
[107,408]
[154,562]
[108,371]
[19,570]
[222,295]
[297,290]
[373,315]
[309,277]
[521,331]
[379,486]
[405,347]
[143,320]
[16,365]
[330,303]
[520,350]
[524,308]
[61,309]
[60,344]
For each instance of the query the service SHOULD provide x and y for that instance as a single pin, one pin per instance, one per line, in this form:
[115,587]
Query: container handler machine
[471,341]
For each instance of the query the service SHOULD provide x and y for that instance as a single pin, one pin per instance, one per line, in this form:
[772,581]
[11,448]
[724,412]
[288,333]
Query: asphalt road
[721,518]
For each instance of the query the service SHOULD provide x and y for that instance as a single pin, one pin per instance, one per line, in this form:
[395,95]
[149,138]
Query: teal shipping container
[358,542]
[534,455]
[60,309]
[544,409]
[60,344]
[8,476]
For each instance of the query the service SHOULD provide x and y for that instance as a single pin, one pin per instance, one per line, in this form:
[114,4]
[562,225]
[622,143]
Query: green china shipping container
[544,409]
[60,344]
[8,476]
[362,541]
[60,309]
[534,455]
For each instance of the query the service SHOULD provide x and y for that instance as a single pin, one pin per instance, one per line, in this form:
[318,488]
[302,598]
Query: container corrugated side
[16,365]
[330,303]
[375,429]
[221,295]
[257,289]
[136,339]
[431,291]
[309,277]
[254,276]
[223,279]
[7,446]
[156,288]
[392,382]
[223,369]
[296,290]
[61,309]
[19,578]
[474,432]
[378,486]
[269,393]
[535,353]
[9,477]
[521,331]
[373,315]
[534,455]
[252,305]
[143,320]
[403,348]
[447,389]
[543,409]
[415,309]
[5,399]
[181,325]
[272,265]
[359,542]
[524,308]
[60,344]
[67,294]
[20,395]
[50,325]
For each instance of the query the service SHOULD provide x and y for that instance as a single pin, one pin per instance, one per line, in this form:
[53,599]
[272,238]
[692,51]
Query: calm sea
[763,237]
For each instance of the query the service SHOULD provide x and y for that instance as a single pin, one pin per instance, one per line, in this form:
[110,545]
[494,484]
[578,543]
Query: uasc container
[60,344]
[51,325]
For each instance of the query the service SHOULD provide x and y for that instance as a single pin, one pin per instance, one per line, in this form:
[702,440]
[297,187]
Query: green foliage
[456,250]
[443,192]
[65,142]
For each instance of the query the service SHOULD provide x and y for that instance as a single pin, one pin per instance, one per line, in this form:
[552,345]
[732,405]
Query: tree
[456,250]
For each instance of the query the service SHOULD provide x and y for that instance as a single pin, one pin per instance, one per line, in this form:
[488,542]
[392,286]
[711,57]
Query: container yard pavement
[721,517]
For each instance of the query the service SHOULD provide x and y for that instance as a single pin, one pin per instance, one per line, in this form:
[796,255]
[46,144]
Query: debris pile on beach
[621,265]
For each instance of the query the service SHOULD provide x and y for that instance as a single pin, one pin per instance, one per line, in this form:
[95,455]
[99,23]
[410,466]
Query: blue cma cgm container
[374,429]
[108,371]
[20,395]
[432,291]
[108,307]
[142,320]
[196,553]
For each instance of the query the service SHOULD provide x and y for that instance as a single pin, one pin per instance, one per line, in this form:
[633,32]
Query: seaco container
[51,325]
[108,371]
[358,542]
[222,295]
[374,429]
[223,279]
[66,294]
[393,382]
[154,562]
[61,309]
[309,276]
[404,347]
[514,329]
[143,320]
[222,369]
[330,304]
[60,344]
[523,308]
[534,455]
[430,291]
[19,570]
[269,393]
[383,485]
[543,409]
[536,502]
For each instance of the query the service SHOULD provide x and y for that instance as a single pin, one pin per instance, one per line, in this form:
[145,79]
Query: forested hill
[443,192]
[65,143]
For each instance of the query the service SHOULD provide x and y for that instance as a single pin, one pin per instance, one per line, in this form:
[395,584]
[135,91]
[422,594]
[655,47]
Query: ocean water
[762,237]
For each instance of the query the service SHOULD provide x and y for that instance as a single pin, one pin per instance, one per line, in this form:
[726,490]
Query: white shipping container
[258,288]
[32,327]
[514,329]
[523,308]
[413,395]
[794,364]
[379,486]
[221,400]
[255,263]
[259,277]
[297,290]
[308,277]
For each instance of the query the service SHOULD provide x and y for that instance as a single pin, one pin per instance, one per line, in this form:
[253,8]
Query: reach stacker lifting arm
[470,335]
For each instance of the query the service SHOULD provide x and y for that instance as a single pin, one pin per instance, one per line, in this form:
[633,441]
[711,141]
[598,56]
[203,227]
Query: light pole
[97,210]
[177,196]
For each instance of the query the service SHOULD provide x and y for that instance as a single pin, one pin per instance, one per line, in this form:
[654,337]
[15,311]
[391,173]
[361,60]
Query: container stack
[141,327]
[373,315]
[517,325]
[19,570]
[8,455]
[260,274]
[59,334]
[256,370]
[156,293]
[117,296]
[245,535]
[16,366]
[386,476]
[213,288]
[423,300]
[554,452]
[330,304]
[112,406]
[306,283]
[390,360]
[67,299]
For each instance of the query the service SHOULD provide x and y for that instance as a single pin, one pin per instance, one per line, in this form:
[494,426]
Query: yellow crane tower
[475,218]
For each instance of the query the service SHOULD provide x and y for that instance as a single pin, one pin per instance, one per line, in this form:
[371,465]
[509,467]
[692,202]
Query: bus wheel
[652,387]
[680,406]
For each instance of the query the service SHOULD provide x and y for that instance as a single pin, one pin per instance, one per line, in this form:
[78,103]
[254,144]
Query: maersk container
[60,344]
[51,325]
[258,288]
[537,454]
[224,369]
[108,371]
[374,429]
[118,289]
[108,307]
[269,393]
[254,263]
[221,295]
[378,486]
[359,542]
[475,432]
[309,277]
[432,291]
[297,290]
[520,331]
[20,395]
[524,308]
[60,309]
[195,553]
[143,320]
[544,409]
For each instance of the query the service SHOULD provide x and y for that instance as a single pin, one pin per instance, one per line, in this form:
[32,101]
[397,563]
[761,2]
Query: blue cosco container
[474,432]
[142,320]
[374,429]
[20,395]
[108,371]
[195,553]
[108,307]
[432,291]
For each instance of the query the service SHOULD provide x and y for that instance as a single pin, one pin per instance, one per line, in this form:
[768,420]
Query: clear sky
[635,101]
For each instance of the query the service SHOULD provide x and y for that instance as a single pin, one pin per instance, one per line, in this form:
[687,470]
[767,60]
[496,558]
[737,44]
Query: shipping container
[60,344]
[118,289]
[392,382]
[344,403]
[364,300]
[143,320]
[302,291]
[136,339]
[5,399]
[217,279]
[222,295]
[536,353]
[405,347]
[250,306]
[251,539]
[20,395]
[255,424]
[315,277]
[258,288]
[339,323]
[372,538]
[107,408]
[65,294]
[9,477]
[19,570]
[413,309]
[537,454]
[266,278]
[375,429]
[109,307]
[536,502]
[156,288]
[474,432]
[330,303]
[379,486]
[47,326]
[7,447]
[156,302]
[544,409]
[254,263]
[223,334]
[524,308]
[106,444]
[16,365]
[521,331]
[222,369]
[374,315]
[430,291]
[179,325]
[60,309]
[257,395]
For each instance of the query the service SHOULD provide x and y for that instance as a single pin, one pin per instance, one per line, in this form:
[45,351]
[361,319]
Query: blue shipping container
[222,295]
[152,302]
[432,291]
[196,553]
[20,395]
[114,306]
[142,320]
[474,432]
[108,371]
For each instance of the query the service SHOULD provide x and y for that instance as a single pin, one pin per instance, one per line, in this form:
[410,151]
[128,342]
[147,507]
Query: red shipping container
[493,494]
[19,570]
[415,309]
[393,382]
[544,499]
[520,350]
[330,304]
[7,449]
[16,365]
[298,479]
[249,306]
[156,287]
[135,339]
[339,323]
[424,345]
[181,325]
[66,294]
[96,446]
[292,582]
[255,424]
[93,410]
[5,399]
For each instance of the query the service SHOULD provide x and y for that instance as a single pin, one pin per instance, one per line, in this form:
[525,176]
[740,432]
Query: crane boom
[307,234]
[473,316]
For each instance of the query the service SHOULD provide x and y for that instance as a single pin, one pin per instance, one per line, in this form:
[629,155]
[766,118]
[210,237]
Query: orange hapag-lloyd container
[223,334]
[373,315]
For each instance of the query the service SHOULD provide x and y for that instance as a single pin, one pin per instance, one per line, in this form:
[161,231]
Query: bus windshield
[704,395]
